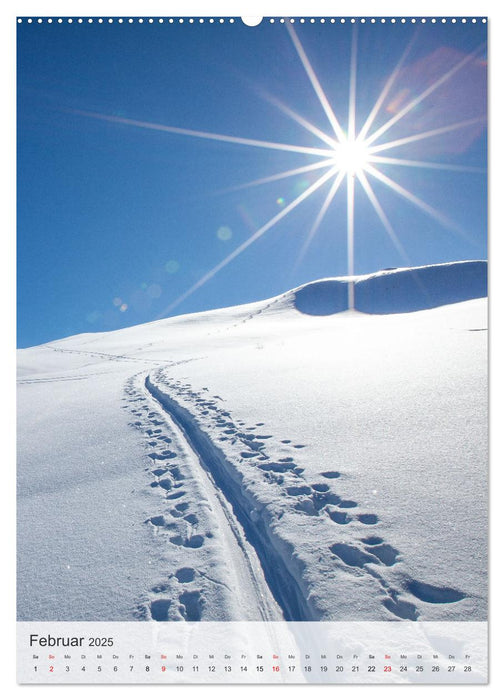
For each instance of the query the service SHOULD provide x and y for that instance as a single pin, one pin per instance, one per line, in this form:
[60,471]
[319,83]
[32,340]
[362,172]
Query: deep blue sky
[113,216]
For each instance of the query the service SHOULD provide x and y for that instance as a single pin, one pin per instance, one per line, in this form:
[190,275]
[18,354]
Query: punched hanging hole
[251,21]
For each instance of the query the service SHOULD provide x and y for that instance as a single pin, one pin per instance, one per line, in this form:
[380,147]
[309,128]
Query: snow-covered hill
[397,290]
[277,459]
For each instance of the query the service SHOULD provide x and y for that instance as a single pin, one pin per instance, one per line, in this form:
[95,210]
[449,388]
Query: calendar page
[252,349]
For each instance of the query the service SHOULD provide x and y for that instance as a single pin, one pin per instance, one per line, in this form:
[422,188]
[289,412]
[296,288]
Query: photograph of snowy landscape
[252,320]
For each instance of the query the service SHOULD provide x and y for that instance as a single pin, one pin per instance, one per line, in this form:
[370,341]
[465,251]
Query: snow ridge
[399,290]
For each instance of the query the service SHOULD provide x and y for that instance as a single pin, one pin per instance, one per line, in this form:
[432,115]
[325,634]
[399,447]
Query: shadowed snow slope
[396,291]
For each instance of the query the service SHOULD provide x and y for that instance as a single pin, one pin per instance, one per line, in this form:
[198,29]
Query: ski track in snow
[235,458]
[184,520]
[115,357]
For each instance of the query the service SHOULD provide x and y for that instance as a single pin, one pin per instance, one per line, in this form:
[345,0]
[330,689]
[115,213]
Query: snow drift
[396,290]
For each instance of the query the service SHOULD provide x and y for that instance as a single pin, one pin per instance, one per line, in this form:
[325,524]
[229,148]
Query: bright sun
[351,157]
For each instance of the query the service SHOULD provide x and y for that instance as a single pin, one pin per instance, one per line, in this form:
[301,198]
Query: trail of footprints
[312,499]
[250,316]
[179,597]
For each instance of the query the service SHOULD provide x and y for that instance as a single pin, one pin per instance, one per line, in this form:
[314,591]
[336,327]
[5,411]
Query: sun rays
[351,157]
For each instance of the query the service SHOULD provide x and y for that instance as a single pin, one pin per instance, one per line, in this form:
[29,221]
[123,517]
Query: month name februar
[50,641]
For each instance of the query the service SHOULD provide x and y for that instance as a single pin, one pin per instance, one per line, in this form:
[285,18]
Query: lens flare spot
[224,233]
[154,291]
[172,266]
[280,201]
[123,307]
[301,186]
[117,301]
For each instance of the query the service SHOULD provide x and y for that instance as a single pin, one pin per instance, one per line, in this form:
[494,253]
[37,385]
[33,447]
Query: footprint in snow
[401,608]
[165,454]
[347,504]
[159,609]
[182,507]
[321,488]
[434,594]
[385,553]
[192,542]
[352,556]
[368,518]
[275,467]
[191,603]
[176,473]
[339,517]
[298,490]
[185,575]
[175,496]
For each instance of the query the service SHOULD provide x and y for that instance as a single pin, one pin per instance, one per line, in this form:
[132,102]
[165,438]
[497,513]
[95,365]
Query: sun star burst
[345,156]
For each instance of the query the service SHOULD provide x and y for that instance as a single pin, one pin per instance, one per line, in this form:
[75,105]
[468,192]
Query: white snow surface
[282,459]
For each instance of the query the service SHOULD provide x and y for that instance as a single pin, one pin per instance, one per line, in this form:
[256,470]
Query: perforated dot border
[266,20]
